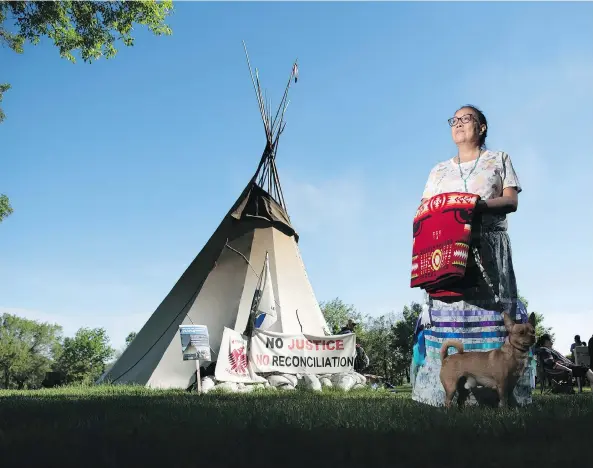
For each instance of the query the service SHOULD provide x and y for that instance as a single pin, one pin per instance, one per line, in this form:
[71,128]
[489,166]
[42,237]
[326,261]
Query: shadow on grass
[286,429]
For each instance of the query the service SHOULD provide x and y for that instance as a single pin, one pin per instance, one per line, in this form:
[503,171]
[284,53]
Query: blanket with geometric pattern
[441,243]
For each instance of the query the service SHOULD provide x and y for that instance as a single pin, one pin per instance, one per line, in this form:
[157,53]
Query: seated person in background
[552,359]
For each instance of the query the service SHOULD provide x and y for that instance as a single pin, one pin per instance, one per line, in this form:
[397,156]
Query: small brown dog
[498,369]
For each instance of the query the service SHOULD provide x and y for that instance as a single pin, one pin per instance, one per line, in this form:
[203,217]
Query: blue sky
[120,171]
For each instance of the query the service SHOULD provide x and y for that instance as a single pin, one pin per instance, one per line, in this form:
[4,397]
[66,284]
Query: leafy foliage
[83,357]
[377,344]
[337,313]
[386,339]
[92,28]
[402,337]
[27,349]
[5,207]
[540,328]
[3,88]
[130,338]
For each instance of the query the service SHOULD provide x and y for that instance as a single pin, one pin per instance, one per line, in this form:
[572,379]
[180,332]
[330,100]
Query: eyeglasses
[464,119]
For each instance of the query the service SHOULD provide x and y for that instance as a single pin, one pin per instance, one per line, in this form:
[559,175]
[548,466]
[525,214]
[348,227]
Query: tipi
[217,288]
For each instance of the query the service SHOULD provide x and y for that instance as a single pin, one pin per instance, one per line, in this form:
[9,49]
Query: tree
[83,357]
[540,328]
[130,338]
[337,313]
[3,88]
[92,28]
[377,344]
[27,349]
[402,338]
[5,208]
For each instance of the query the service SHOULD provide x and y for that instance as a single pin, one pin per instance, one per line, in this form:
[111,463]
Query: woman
[552,359]
[476,319]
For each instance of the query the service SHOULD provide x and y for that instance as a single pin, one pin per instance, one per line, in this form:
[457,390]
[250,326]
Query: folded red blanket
[442,235]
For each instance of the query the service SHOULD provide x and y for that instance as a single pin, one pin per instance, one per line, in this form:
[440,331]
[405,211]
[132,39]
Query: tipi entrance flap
[262,243]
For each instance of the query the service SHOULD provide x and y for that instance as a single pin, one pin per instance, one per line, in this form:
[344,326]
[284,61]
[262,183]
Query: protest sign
[233,364]
[302,354]
[195,342]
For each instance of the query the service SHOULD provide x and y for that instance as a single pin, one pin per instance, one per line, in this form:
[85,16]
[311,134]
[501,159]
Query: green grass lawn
[127,426]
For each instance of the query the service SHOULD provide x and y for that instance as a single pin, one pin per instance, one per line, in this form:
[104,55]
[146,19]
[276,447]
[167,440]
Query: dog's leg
[462,396]
[450,388]
[511,397]
[502,396]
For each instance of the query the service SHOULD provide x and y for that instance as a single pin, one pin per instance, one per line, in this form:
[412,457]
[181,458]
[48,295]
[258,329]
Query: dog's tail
[458,345]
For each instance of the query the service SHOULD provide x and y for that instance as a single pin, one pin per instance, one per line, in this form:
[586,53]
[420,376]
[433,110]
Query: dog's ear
[508,321]
[531,319]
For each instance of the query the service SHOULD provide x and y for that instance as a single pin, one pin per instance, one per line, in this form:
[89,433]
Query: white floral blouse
[493,173]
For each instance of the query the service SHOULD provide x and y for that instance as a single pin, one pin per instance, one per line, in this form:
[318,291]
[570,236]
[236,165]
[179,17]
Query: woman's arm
[557,365]
[507,203]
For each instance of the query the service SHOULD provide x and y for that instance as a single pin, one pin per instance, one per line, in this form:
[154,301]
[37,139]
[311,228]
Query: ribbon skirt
[476,321]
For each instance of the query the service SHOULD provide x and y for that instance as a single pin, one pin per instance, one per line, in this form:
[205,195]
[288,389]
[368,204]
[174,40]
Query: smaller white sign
[195,342]
[233,360]
[581,356]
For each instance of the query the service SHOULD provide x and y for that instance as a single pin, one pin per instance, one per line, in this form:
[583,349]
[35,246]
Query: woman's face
[465,127]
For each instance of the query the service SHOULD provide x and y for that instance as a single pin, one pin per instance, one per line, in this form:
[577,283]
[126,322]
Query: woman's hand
[507,203]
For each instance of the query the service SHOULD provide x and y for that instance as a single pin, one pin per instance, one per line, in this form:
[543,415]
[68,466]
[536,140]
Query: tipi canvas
[217,288]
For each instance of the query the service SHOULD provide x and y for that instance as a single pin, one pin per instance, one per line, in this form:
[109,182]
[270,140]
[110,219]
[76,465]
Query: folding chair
[552,380]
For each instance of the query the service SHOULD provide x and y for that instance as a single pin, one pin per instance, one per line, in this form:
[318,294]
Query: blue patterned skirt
[476,321]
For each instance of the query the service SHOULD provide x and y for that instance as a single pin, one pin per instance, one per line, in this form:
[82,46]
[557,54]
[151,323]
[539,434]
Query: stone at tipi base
[325,382]
[207,384]
[347,380]
[283,381]
[311,382]
[344,381]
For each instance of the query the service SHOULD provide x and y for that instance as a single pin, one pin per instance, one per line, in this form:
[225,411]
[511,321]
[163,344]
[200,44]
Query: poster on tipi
[265,314]
[233,363]
[195,342]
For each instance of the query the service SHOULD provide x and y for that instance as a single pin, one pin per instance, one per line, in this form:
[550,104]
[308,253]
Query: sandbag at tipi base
[281,382]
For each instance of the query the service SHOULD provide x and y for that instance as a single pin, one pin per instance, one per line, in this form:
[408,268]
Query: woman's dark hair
[542,339]
[481,121]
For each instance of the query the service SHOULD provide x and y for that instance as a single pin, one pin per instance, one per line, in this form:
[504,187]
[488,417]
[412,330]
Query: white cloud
[332,203]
